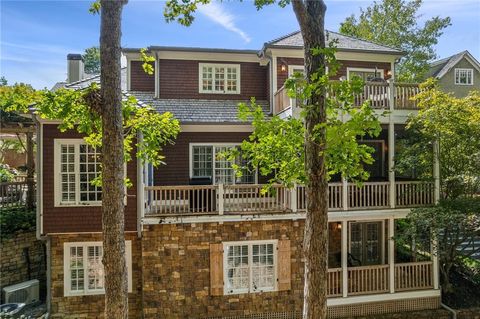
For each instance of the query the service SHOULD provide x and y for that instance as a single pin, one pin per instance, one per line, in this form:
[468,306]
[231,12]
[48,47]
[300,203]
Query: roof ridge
[282,37]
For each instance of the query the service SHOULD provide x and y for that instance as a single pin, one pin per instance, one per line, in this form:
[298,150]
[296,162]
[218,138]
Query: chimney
[75,68]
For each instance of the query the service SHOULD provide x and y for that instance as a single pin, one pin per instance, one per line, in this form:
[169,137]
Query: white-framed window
[206,161]
[83,269]
[464,76]
[219,78]
[366,74]
[250,266]
[76,165]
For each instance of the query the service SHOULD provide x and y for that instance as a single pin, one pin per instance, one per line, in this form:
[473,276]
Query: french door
[366,244]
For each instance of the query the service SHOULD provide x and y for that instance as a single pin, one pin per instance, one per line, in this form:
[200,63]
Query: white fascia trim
[216,128]
[383,297]
[332,217]
[202,56]
[291,67]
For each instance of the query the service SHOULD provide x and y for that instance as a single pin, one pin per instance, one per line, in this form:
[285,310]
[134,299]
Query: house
[203,243]
[458,74]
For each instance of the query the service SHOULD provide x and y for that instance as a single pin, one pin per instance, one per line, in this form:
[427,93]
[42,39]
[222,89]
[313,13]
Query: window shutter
[216,269]
[284,265]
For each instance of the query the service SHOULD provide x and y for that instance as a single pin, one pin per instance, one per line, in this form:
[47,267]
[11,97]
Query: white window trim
[462,69]
[350,69]
[190,151]
[213,65]
[250,262]
[56,174]
[67,292]
[293,67]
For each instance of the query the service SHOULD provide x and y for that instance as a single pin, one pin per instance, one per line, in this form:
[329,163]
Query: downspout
[39,171]
[453,312]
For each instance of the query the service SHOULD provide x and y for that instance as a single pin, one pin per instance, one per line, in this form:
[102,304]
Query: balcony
[380,96]
[164,201]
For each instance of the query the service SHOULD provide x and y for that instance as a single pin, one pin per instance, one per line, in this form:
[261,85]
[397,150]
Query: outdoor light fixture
[283,68]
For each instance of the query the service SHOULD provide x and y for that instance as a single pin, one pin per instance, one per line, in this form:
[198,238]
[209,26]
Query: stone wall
[91,306]
[472,313]
[14,265]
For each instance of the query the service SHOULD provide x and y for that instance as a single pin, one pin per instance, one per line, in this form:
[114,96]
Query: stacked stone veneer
[89,306]
[13,262]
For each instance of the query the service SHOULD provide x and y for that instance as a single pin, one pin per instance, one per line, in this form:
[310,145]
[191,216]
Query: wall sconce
[339,226]
[283,67]
[389,73]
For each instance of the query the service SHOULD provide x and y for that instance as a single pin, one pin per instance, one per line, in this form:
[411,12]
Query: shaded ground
[466,294]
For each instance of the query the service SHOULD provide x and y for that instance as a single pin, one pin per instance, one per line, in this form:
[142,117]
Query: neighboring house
[458,74]
[204,243]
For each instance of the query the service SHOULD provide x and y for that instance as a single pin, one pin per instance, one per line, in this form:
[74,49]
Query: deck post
[221,198]
[436,171]
[344,194]
[391,254]
[293,199]
[391,163]
[344,258]
[435,263]
[141,199]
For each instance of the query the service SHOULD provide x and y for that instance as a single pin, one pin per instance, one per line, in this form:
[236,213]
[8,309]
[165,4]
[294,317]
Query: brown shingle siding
[179,80]
[139,79]
[77,219]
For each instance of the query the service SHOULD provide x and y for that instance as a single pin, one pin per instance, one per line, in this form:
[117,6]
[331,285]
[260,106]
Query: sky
[36,36]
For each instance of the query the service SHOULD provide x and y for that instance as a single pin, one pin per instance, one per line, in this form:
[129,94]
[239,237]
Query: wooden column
[344,258]
[436,171]
[391,254]
[30,172]
[391,163]
[344,194]
[293,199]
[220,199]
[435,264]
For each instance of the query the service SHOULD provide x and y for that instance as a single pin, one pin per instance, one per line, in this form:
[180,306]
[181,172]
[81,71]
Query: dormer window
[219,78]
[464,76]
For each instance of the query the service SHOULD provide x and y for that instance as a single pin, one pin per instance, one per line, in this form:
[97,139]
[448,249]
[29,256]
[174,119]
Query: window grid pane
[95,268]
[237,268]
[76,269]
[202,161]
[90,167]
[463,76]
[67,172]
[219,79]
[207,78]
[224,172]
[263,269]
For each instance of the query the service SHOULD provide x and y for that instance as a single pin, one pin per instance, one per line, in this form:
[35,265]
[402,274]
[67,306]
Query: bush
[6,174]
[16,219]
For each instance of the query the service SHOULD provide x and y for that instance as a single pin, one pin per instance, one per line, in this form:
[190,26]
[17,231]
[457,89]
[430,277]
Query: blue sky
[37,35]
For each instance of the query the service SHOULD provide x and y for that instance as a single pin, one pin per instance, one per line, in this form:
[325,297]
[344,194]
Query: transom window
[77,165]
[464,76]
[219,78]
[84,273]
[207,161]
[250,266]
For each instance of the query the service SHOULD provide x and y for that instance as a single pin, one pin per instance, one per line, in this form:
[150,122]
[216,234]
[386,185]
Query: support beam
[344,258]
[391,254]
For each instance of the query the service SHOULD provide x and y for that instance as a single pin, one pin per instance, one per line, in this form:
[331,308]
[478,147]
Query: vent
[26,292]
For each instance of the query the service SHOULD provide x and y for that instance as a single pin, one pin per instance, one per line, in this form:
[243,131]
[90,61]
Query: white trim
[465,70]
[213,145]
[216,128]
[249,243]
[352,69]
[340,55]
[201,65]
[383,297]
[129,69]
[291,67]
[66,268]
[202,56]
[56,173]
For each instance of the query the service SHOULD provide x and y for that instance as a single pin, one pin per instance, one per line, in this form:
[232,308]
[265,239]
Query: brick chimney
[75,68]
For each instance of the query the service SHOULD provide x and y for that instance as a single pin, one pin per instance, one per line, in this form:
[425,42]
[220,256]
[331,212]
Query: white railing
[379,95]
[411,194]
[334,282]
[253,199]
[368,279]
[414,276]
[369,195]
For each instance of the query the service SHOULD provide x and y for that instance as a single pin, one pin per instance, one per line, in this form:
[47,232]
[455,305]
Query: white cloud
[218,14]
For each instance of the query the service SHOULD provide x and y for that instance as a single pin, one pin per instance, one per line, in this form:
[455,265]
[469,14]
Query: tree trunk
[30,172]
[310,15]
[113,187]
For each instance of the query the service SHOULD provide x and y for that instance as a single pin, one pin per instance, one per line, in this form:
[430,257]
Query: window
[83,268]
[219,78]
[77,165]
[464,76]
[366,244]
[365,74]
[206,161]
[250,266]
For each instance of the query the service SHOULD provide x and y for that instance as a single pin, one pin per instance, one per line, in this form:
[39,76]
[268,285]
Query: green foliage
[17,98]
[6,174]
[395,23]
[455,124]
[147,62]
[452,222]
[276,145]
[95,7]
[16,219]
[3,81]
[91,57]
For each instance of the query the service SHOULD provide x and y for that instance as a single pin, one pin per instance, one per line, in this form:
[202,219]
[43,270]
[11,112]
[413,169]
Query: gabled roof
[441,67]
[294,40]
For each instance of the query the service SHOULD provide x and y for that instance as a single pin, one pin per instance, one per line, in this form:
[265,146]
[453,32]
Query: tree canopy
[455,124]
[91,58]
[396,23]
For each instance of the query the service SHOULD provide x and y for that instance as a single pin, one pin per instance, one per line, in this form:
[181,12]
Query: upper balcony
[391,96]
